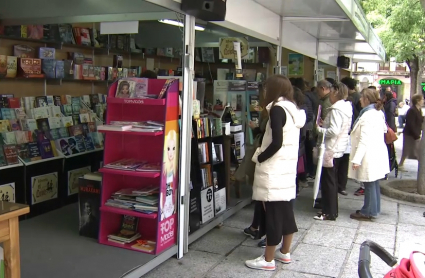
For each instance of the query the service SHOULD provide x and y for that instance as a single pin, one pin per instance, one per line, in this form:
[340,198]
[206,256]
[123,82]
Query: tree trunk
[421,165]
[414,69]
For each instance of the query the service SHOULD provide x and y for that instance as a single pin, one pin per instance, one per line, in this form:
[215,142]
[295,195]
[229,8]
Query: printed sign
[227,51]
[7,192]
[44,188]
[73,176]
[207,204]
[220,200]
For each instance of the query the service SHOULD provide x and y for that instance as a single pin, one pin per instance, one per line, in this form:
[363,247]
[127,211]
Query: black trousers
[329,187]
[258,211]
[342,171]
[309,144]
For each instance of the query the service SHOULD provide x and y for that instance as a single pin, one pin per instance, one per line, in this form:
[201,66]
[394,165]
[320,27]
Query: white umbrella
[319,169]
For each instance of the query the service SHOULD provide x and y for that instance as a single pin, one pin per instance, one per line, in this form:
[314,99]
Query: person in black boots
[335,127]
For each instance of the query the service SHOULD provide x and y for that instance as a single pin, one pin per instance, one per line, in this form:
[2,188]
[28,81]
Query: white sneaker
[283,258]
[260,263]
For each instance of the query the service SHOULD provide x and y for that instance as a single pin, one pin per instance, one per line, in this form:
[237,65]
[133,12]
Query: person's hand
[252,124]
[355,166]
[320,123]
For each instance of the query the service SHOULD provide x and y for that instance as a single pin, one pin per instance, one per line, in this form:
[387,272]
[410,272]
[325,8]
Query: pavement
[319,249]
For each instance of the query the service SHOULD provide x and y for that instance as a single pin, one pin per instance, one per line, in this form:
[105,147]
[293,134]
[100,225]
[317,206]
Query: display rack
[158,147]
[12,183]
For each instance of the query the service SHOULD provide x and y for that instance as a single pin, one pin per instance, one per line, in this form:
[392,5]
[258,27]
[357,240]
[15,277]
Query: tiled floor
[319,249]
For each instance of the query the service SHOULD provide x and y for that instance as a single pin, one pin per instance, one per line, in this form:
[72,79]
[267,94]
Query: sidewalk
[319,249]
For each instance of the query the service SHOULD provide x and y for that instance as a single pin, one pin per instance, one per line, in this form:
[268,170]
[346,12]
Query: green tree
[401,26]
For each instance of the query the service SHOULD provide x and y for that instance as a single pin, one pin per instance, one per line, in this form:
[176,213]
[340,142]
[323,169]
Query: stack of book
[128,231]
[147,126]
[143,200]
[129,164]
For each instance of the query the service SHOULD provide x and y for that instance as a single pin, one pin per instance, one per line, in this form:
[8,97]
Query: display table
[9,236]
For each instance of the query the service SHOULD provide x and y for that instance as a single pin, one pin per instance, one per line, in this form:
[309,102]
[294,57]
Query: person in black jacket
[390,108]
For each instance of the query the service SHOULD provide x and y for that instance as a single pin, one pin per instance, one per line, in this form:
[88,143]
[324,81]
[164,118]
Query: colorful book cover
[11,154]
[34,151]
[67,121]
[9,138]
[5,126]
[63,132]
[28,124]
[97,139]
[14,124]
[41,101]
[55,133]
[80,143]
[23,152]
[20,113]
[89,203]
[67,109]
[88,142]
[76,130]
[50,101]
[46,149]
[12,66]
[57,100]
[54,122]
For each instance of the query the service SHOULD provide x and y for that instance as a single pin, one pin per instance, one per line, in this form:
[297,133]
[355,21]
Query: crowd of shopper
[357,130]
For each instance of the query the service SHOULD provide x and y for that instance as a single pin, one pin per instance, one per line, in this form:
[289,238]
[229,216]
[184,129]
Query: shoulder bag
[390,136]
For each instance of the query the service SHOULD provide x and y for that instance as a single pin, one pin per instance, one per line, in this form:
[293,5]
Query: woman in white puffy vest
[276,170]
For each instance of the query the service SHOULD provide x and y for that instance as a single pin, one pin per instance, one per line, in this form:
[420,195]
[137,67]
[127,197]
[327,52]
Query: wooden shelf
[128,212]
[130,173]
[135,101]
[129,132]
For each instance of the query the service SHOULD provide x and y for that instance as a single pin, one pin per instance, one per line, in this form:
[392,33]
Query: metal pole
[278,68]
[185,136]
[316,63]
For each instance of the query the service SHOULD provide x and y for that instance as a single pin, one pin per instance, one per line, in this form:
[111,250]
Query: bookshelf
[210,178]
[154,147]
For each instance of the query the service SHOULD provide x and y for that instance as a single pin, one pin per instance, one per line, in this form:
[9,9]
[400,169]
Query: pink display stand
[155,147]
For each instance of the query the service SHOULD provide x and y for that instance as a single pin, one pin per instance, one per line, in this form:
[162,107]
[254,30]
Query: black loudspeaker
[343,62]
[207,10]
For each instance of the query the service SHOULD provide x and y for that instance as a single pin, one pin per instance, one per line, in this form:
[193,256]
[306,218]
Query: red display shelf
[130,173]
[128,212]
[136,101]
[125,246]
[137,133]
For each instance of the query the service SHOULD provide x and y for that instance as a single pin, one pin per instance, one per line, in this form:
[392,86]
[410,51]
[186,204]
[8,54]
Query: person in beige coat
[275,171]
[369,155]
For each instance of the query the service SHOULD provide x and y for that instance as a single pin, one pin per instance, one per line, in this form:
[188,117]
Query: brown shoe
[358,216]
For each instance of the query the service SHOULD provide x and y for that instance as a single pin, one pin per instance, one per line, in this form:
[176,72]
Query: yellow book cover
[55,152]
[12,66]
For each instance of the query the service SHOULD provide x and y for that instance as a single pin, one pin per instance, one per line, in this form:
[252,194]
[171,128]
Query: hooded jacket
[337,125]
[390,108]
[274,178]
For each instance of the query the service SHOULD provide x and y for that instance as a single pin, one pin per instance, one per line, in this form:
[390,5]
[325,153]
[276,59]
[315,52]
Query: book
[132,88]
[145,245]
[46,149]
[11,154]
[125,164]
[128,230]
[23,152]
[12,66]
[149,167]
[114,127]
[34,151]
[89,203]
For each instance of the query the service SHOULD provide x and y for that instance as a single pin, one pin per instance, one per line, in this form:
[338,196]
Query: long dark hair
[299,97]
[278,86]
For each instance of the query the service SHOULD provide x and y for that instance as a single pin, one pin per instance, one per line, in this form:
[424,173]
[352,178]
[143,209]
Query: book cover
[22,137]
[72,145]
[55,134]
[14,102]
[9,138]
[14,124]
[28,124]
[63,132]
[12,66]
[145,245]
[97,139]
[11,154]
[35,32]
[129,225]
[56,111]
[20,113]
[46,149]
[60,69]
[57,100]
[23,152]
[67,109]
[89,203]
[76,130]
[43,124]
[2,157]
[54,122]
[88,142]
[23,51]
[67,121]
[65,33]
[49,101]
[80,143]
[34,151]
[49,68]
[46,53]
[41,101]
[3,65]
[5,126]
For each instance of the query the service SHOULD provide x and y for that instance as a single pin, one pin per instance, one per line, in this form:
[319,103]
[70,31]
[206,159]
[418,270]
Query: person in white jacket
[369,155]
[276,170]
[335,128]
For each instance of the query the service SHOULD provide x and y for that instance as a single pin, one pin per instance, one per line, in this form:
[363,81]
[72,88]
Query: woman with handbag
[412,130]
[369,155]
[336,128]
[390,109]
[275,171]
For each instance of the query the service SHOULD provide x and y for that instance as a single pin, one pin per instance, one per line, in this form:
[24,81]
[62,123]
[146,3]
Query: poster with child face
[168,204]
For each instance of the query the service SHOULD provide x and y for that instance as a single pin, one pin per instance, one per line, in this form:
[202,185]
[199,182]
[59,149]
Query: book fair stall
[102,113]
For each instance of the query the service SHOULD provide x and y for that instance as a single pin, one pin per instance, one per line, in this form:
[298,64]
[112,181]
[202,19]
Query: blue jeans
[401,120]
[372,199]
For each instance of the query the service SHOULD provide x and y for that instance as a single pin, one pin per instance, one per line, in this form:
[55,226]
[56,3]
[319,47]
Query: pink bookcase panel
[135,113]
[154,86]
